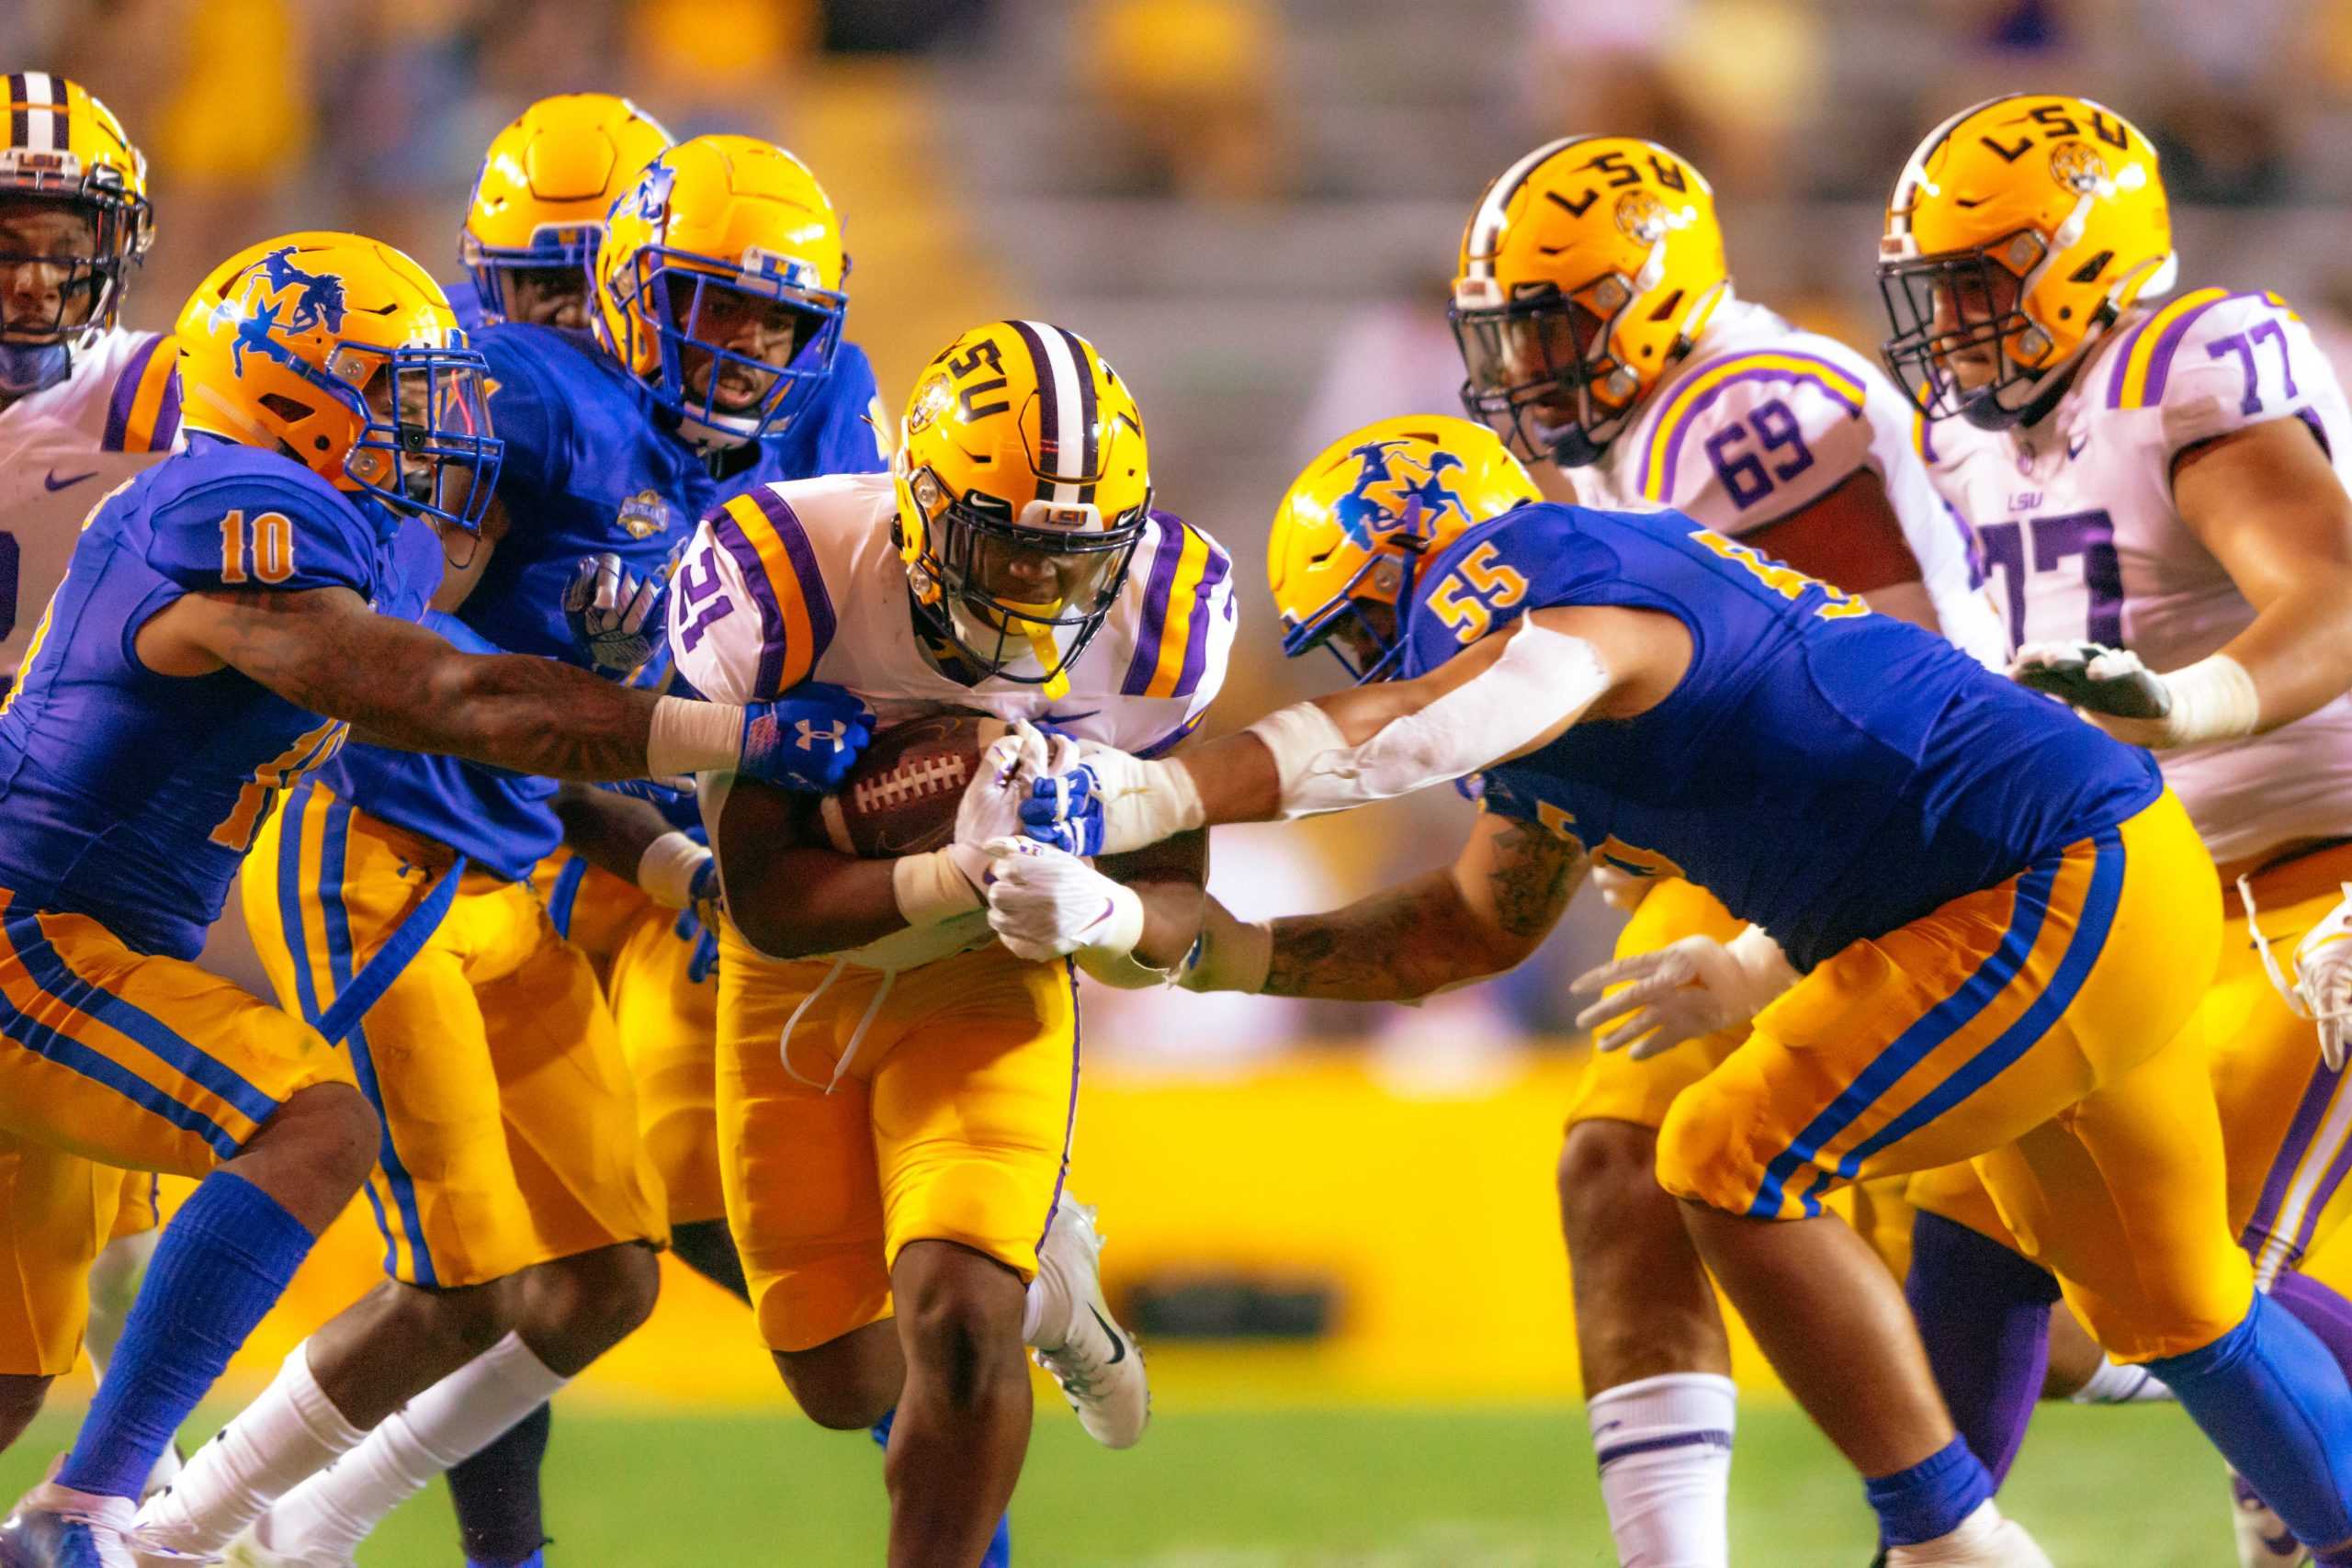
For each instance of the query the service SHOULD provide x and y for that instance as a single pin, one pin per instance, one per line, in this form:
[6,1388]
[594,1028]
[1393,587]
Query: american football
[900,798]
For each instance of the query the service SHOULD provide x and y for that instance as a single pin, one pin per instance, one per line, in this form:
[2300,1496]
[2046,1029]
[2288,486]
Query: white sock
[1984,1540]
[291,1431]
[1033,1311]
[114,1286]
[2114,1384]
[1663,1447]
[328,1515]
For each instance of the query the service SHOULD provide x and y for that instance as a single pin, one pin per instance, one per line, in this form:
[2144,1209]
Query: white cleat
[248,1551]
[1984,1539]
[1098,1364]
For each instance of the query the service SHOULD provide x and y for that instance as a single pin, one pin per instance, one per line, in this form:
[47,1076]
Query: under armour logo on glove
[807,738]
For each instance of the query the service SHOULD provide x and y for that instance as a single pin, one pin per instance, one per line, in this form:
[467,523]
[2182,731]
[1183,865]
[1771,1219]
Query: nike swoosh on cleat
[1118,1340]
[51,481]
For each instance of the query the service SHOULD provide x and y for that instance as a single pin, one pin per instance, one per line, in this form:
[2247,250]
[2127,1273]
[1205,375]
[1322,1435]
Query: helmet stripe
[1057,404]
[1090,451]
[19,127]
[1487,223]
[44,113]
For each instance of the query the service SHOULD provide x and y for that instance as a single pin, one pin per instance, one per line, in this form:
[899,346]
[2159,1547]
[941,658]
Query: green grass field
[1356,1487]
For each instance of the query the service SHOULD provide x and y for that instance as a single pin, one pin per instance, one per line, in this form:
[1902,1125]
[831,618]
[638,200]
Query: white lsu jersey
[801,580]
[2076,523]
[1761,420]
[64,450]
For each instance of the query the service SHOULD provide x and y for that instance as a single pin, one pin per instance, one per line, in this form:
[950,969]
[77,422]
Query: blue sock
[223,1263]
[1000,1551]
[2272,1399]
[1984,1316]
[1930,1498]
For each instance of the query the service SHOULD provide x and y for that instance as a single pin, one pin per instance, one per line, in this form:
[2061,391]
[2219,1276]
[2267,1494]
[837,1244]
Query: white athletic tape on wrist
[2213,699]
[931,890]
[1229,954]
[667,869]
[690,737]
[1545,678]
[1169,803]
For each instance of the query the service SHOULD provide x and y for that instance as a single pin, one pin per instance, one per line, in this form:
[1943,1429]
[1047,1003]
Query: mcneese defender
[896,1090]
[224,615]
[511,1149]
[1601,335]
[84,404]
[1978,926]
[723,254]
[2159,487]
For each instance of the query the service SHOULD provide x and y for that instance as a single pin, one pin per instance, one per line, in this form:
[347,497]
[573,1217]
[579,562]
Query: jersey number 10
[263,552]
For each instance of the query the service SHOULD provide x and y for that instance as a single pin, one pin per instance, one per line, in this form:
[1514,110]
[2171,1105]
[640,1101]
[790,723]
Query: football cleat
[249,1550]
[55,1527]
[1984,1540]
[1098,1364]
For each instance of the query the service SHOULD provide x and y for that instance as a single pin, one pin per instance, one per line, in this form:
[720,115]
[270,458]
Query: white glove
[2321,990]
[1685,990]
[1046,903]
[991,805]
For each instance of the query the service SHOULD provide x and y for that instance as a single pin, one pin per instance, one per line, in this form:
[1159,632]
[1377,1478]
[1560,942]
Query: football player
[223,616]
[84,405]
[894,1172]
[717,363]
[1600,334]
[1977,926]
[538,207]
[2160,487]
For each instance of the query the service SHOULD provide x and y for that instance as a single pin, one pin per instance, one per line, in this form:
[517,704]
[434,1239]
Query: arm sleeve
[1761,437]
[254,533]
[2241,361]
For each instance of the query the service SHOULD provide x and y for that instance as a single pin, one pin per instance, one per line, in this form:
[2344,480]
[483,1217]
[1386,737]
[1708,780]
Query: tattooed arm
[1484,914]
[324,649]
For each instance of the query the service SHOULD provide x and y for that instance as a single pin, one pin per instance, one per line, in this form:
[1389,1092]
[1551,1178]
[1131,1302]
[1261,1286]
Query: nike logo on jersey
[2075,447]
[51,481]
[1118,1340]
[1068,718]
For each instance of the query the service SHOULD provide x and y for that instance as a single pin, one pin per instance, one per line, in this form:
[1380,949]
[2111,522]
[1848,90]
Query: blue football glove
[617,618]
[1065,809]
[807,740]
[661,792]
[698,923]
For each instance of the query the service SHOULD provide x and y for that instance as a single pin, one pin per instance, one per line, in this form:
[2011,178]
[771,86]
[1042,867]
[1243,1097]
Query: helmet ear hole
[284,407]
[1665,312]
[2089,272]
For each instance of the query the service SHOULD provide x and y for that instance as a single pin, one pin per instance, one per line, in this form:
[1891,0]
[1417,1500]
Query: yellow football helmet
[2020,230]
[344,353]
[539,203]
[723,264]
[66,146]
[1023,485]
[1354,528]
[1586,271]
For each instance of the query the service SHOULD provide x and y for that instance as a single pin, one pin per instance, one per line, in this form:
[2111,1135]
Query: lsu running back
[2077,417]
[538,211]
[1012,565]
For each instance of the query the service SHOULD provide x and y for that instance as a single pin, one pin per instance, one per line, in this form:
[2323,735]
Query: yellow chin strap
[1040,633]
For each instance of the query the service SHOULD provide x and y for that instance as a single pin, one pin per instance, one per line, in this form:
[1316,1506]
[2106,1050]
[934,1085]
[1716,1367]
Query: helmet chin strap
[1038,634]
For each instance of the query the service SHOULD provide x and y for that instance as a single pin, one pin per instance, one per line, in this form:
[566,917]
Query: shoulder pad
[142,406]
[750,614]
[1181,581]
[256,521]
[2213,362]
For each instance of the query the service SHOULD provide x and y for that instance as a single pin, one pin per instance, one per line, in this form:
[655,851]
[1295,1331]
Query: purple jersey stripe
[167,417]
[1155,605]
[1069,1117]
[125,392]
[803,557]
[1196,637]
[1705,400]
[2337,1168]
[2123,360]
[2160,362]
[1710,1436]
[730,534]
[2309,1114]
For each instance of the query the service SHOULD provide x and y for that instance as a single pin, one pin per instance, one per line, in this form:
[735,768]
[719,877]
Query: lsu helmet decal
[718,284]
[545,184]
[2018,232]
[1354,528]
[344,352]
[1023,485]
[64,149]
[1586,272]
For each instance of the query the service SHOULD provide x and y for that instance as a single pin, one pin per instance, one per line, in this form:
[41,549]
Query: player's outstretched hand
[2322,989]
[1102,802]
[805,740]
[618,618]
[2103,682]
[1685,990]
[1046,903]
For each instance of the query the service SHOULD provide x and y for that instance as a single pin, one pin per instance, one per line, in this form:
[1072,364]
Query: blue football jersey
[131,797]
[591,466]
[1828,772]
[466,303]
